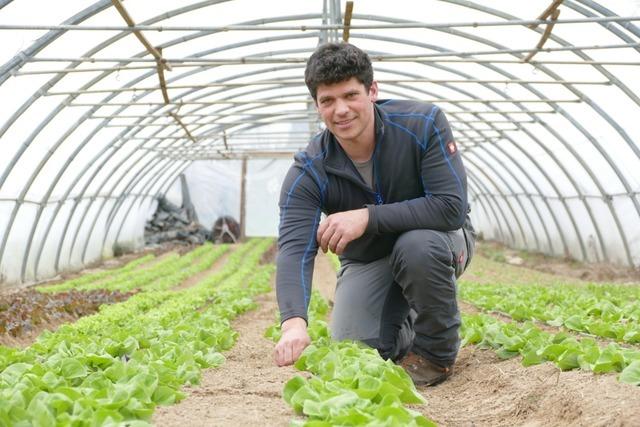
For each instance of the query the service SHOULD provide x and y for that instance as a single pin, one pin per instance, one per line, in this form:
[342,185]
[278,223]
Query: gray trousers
[407,300]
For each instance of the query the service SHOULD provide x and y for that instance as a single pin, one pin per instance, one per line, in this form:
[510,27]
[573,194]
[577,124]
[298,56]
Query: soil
[488,391]
[196,278]
[246,390]
[324,277]
[596,272]
[270,255]
[24,340]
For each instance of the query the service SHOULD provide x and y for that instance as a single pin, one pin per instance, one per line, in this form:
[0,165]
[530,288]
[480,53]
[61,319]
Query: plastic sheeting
[90,138]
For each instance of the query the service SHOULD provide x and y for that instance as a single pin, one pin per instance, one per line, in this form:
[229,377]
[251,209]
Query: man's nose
[342,107]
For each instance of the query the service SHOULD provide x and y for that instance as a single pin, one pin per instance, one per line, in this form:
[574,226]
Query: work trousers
[407,300]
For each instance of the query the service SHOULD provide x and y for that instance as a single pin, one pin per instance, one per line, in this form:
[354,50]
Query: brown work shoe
[423,372]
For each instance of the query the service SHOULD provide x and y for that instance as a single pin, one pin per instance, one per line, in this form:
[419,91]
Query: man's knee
[420,250]
[359,299]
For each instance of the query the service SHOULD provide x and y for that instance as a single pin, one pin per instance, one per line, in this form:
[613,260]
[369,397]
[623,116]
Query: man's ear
[373,91]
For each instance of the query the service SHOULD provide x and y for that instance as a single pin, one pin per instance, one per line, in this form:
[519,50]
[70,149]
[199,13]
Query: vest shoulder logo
[451,147]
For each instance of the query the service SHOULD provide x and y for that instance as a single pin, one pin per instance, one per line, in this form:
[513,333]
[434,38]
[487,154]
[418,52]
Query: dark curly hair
[336,62]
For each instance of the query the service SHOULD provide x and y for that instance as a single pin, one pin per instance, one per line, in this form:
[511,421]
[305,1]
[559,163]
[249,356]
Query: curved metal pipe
[559,137]
[507,199]
[59,175]
[105,160]
[611,208]
[12,65]
[494,206]
[614,214]
[593,140]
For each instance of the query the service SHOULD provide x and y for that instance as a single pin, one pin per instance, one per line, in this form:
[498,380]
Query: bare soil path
[246,390]
[196,278]
[488,391]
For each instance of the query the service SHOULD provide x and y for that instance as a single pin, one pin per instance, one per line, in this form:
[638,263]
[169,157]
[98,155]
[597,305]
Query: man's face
[346,108]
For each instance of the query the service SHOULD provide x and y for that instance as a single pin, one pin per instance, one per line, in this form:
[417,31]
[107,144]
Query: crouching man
[389,177]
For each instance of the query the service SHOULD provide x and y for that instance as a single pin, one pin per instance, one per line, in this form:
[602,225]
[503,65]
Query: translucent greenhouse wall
[215,188]
[91,138]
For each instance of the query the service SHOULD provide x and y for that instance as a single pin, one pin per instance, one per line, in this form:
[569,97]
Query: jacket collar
[336,158]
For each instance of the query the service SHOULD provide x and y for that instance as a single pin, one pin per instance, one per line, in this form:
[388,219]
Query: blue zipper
[379,199]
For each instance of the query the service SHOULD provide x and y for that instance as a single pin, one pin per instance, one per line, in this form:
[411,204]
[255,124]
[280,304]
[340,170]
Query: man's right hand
[293,341]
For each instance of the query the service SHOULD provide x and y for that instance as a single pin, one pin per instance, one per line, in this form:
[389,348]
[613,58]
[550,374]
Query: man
[390,179]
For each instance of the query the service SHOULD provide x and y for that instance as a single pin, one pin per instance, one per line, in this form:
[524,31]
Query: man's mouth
[343,123]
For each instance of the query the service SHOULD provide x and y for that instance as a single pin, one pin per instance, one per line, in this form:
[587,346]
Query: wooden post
[348,12]
[243,199]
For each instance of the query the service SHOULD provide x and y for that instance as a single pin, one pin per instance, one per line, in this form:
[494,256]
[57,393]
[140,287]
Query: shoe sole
[432,383]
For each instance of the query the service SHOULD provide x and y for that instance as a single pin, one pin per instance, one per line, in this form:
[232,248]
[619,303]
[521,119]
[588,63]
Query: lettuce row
[136,279]
[351,383]
[97,276]
[119,364]
[537,346]
[610,311]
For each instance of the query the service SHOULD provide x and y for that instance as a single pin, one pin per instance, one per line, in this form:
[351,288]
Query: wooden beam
[177,119]
[131,23]
[547,12]
[545,35]
[348,13]
[163,82]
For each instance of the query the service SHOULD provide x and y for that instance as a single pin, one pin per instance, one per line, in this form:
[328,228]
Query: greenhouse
[146,179]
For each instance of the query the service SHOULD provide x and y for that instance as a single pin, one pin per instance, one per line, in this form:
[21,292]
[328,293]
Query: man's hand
[338,229]
[293,341]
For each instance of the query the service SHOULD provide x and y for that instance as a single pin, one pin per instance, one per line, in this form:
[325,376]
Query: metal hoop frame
[498,178]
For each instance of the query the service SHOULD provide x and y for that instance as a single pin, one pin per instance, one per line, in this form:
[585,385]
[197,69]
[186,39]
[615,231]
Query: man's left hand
[338,229]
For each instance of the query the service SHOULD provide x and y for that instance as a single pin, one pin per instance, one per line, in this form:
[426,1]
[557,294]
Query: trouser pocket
[459,251]
[470,243]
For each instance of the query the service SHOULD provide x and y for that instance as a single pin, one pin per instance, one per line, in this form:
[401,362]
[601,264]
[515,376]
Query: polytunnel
[105,105]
